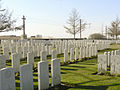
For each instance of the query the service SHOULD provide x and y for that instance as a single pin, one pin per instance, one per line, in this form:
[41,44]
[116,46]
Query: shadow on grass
[89,87]
[60,55]
[90,80]
[99,87]
[65,86]
[35,80]
[69,69]
[49,57]
[60,87]
[17,84]
[63,72]
[76,66]
[34,74]
[89,64]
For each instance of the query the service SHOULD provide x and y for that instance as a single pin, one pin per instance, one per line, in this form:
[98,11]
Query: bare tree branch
[114,29]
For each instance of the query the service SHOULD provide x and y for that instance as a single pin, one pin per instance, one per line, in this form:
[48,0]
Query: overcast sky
[47,17]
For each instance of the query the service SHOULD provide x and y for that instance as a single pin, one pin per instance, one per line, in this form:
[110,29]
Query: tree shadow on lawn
[89,64]
[69,69]
[89,87]
[60,55]
[74,68]
[60,87]
[99,87]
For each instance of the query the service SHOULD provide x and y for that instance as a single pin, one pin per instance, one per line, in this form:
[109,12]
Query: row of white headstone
[74,47]
[79,53]
[29,46]
[36,46]
[7,75]
[109,59]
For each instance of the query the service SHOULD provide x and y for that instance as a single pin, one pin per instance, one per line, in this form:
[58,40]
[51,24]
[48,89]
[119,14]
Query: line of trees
[75,26]
[113,31]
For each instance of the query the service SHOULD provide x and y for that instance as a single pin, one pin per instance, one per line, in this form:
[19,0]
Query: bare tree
[73,23]
[114,29]
[6,22]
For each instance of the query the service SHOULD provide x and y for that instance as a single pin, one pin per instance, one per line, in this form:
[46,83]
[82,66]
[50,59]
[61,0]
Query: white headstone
[109,58]
[76,54]
[24,52]
[2,61]
[43,56]
[26,77]
[13,49]
[90,49]
[43,75]
[6,52]
[87,51]
[65,55]
[102,62]
[54,54]
[71,54]
[19,51]
[50,50]
[38,50]
[15,61]
[7,79]
[84,52]
[30,58]
[55,72]
[30,48]
[81,53]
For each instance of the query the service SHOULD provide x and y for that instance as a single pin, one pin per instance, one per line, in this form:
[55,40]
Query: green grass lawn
[81,75]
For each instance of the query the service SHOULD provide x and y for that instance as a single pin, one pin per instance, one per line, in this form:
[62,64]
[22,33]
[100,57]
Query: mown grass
[81,75]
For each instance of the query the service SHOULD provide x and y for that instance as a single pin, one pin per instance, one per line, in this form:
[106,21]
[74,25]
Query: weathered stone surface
[43,56]
[19,51]
[65,55]
[6,52]
[26,77]
[71,54]
[81,53]
[30,58]
[76,54]
[2,61]
[7,79]
[43,75]
[15,61]
[102,63]
[13,49]
[54,54]
[24,52]
[55,72]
